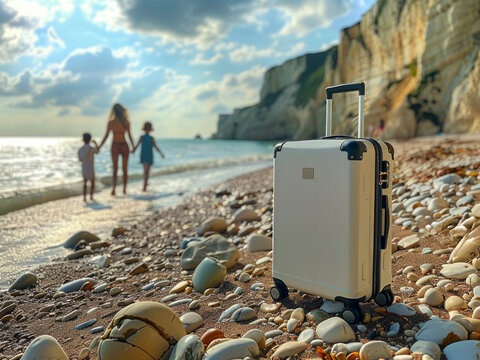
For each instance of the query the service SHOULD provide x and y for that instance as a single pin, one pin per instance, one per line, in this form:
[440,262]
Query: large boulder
[141,331]
[215,246]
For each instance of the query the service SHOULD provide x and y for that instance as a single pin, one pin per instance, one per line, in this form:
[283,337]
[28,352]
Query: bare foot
[91,198]
[113,192]
[84,199]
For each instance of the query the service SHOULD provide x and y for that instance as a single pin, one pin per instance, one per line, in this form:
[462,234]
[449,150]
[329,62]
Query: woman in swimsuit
[118,125]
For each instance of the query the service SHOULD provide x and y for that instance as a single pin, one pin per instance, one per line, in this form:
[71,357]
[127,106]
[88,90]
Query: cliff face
[420,60]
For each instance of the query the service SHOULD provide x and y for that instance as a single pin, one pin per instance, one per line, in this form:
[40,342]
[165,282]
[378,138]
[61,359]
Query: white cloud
[54,38]
[18,22]
[303,16]
[84,80]
[202,23]
[21,19]
[250,52]
[328,45]
[200,59]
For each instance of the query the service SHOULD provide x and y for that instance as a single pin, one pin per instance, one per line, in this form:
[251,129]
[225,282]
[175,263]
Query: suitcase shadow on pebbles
[295,300]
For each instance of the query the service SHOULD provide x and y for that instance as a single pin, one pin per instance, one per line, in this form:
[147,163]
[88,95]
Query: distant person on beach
[146,154]
[381,127]
[86,156]
[119,124]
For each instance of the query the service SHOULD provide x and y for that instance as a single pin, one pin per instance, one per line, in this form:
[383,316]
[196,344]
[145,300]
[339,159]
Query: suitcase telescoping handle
[360,87]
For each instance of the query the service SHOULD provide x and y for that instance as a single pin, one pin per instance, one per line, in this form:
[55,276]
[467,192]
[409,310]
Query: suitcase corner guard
[354,149]
[277,148]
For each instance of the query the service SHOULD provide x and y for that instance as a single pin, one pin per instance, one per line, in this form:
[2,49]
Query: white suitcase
[331,217]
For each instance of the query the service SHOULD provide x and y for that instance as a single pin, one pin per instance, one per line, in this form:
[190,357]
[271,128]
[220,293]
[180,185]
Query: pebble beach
[192,281]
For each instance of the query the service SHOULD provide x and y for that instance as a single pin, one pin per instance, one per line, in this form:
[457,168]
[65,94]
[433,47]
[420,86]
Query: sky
[176,63]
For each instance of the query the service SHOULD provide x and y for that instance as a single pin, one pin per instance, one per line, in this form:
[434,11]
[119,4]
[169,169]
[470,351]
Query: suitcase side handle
[360,87]
[387,222]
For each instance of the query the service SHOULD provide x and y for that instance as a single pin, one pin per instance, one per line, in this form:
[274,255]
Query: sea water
[40,190]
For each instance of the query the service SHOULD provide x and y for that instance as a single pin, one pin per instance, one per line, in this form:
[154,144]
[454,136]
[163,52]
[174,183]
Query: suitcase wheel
[353,315]
[384,298]
[279,291]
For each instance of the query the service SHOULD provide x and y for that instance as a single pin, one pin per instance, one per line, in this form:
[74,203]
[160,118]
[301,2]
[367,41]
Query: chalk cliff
[420,60]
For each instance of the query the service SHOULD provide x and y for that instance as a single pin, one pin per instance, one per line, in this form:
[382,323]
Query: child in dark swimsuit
[146,154]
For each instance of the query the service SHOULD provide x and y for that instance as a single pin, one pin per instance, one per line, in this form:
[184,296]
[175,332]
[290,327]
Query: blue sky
[177,63]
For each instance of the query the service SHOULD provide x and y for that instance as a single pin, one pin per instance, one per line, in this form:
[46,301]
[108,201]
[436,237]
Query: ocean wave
[13,201]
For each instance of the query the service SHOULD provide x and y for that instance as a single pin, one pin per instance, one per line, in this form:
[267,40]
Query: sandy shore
[156,240]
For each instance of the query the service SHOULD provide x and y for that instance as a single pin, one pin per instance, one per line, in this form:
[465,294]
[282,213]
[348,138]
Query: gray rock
[44,347]
[75,285]
[462,350]
[243,314]
[272,334]
[215,224]
[215,246]
[85,324]
[465,200]
[458,270]
[24,281]
[209,274]
[427,347]
[80,254]
[189,347]
[102,261]
[460,210]
[335,330]
[317,316]
[447,179]
[401,309]
[437,330]
[247,215]
[191,321]
[424,309]
[79,236]
[394,329]
[256,242]
[233,349]
[332,307]
[307,336]
[229,312]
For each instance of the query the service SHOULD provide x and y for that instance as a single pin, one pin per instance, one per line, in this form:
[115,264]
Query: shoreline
[156,240]
[30,236]
[22,199]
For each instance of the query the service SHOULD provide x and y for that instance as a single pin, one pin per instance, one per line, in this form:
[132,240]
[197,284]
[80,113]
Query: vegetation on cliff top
[313,75]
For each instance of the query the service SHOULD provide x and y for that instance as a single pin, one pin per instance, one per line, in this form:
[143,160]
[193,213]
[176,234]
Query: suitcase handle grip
[360,87]
[384,238]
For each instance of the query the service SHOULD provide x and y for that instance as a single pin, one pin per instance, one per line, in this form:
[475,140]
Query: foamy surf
[12,201]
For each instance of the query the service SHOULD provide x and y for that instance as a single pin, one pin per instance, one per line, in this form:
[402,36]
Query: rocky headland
[192,281]
[420,62]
